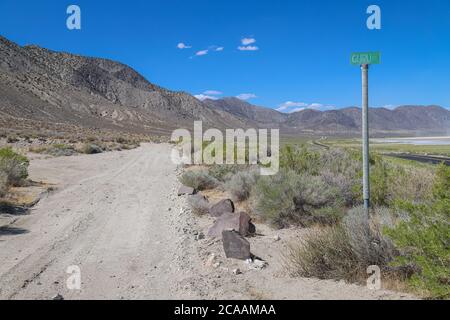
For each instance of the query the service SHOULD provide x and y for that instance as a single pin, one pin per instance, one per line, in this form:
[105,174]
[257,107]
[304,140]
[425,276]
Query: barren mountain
[40,87]
[43,85]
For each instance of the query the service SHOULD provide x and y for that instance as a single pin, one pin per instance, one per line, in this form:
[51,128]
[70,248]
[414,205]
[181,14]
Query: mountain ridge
[37,84]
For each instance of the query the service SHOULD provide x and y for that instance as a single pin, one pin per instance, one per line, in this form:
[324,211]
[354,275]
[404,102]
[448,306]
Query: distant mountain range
[50,87]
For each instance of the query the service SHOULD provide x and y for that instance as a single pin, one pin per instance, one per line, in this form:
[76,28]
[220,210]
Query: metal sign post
[365,135]
[364,59]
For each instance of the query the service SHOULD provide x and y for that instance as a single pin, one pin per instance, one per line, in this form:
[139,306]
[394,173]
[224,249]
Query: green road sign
[359,58]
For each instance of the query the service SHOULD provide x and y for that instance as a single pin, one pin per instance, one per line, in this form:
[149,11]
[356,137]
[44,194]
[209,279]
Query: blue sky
[298,51]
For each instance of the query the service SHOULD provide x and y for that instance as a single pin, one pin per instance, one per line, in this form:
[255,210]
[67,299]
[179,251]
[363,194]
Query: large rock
[186,190]
[235,245]
[240,222]
[221,207]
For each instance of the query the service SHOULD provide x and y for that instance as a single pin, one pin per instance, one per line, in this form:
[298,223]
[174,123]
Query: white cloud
[247,41]
[213,92]
[389,106]
[246,96]
[248,48]
[181,45]
[202,97]
[291,106]
[201,52]
[296,110]
[219,49]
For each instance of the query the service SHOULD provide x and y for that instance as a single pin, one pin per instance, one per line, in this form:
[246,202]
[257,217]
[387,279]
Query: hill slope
[39,86]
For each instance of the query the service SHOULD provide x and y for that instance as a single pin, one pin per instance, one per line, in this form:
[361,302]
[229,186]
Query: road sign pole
[365,136]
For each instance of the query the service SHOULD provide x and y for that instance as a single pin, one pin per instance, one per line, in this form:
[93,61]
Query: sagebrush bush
[342,251]
[408,183]
[241,183]
[3,184]
[424,238]
[291,198]
[199,180]
[61,150]
[89,148]
[223,171]
[299,159]
[198,204]
[14,166]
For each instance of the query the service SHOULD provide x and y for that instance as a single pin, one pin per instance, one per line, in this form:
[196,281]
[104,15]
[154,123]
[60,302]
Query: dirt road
[116,216]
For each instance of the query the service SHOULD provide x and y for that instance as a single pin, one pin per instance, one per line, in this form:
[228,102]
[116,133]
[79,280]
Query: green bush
[299,160]
[13,166]
[199,180]
[290,198]
[424,238]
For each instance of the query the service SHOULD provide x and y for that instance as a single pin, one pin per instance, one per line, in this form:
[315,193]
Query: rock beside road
[184,190]
[235,245]
[221,207]
[240,222]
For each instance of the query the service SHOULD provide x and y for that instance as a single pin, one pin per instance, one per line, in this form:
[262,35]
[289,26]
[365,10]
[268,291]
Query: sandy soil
[117,217]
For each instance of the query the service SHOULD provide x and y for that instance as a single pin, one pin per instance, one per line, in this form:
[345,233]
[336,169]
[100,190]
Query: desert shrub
[223,171]
[14,166]
[291,198]
[407,183]
[424,238]
[3,183]
[59,150]
[12,139]
[299,159]
[198,179]
[441,186]
[342,251]
[89,148]
[198,204]
[241,183]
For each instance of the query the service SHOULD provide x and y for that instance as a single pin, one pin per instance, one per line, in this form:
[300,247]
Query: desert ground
[117,216]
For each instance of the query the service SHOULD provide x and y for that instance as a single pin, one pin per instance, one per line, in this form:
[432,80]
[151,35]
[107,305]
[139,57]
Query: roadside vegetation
[13,170]
[406,235]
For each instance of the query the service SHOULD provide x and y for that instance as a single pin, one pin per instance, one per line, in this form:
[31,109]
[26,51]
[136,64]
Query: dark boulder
[235,245]
[221,207]
[240,222]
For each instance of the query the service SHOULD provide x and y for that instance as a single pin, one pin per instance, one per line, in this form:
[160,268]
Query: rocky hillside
[43,85]
[39,87]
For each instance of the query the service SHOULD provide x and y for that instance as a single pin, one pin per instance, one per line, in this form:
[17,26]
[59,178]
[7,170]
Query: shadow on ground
[10,209]
[11,231]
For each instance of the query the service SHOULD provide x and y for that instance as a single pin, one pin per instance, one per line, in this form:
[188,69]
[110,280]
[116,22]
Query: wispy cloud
[182,45]
[247,45]
[202,97]
[246,96]
[291,106]
[247,41]
[213,92]
[202,53]
[208,94]
[219,49]
[248,48]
